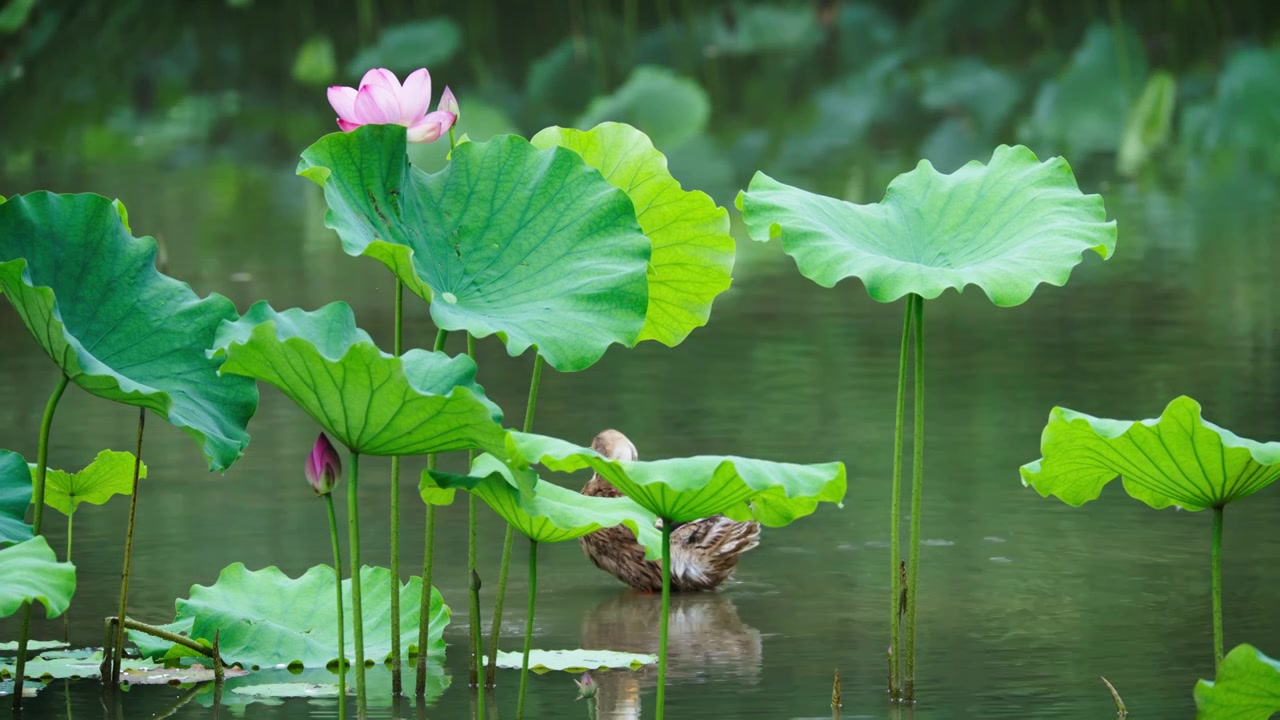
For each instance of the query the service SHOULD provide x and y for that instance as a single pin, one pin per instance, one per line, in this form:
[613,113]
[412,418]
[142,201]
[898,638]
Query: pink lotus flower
[323,466]
[382,100]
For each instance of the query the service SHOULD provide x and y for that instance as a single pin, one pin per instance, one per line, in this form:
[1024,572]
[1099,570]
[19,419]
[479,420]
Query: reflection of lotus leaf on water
[707,639]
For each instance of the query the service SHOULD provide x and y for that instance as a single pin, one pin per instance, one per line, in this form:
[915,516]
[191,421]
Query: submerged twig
[1120,708]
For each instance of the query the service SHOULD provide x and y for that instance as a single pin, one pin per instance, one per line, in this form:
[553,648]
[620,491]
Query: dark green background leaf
[15,498]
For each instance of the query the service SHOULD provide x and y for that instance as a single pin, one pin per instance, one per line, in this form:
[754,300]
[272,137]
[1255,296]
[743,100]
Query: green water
[1024,601]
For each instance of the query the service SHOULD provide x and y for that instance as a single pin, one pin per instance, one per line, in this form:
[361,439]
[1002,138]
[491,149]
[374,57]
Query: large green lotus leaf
[32,573]
[688,489]
[110,474]
[1247,688]
[1177,459]
[91,295]
[371,401]
[692,250]
[1005,227]
[575,661]
[268,618]
[530,244]
[551,513]
[15,498]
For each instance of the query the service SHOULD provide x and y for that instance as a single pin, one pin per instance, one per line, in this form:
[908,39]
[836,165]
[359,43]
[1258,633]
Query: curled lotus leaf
[15,498]
[1247,687]
[688,489]
[549,513]
[693,252]
[373,402]
[1006,227]
[32,573]
[530,244]
[1177,459]
[90,294]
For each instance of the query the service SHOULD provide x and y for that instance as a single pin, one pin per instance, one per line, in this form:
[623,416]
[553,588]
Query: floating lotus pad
[15,498]
[542,661]
[1177,459]
[267,618]
[32,573]
[69,665]
[550,513]
[372,402]
[688,489]
[532,245]
[1006,227]
[692,250]
[90,294]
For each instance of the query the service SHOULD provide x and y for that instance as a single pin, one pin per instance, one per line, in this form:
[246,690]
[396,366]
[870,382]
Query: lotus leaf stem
[528,626]
[895,508]
[917,483]
[357,619]
[491,673]
[66,625]
[665,621]
[37,499]
[424,602]
[473,621]
[337,579]
[123,614]
[111,623]
[397,686]
[1217,585]
[474,597]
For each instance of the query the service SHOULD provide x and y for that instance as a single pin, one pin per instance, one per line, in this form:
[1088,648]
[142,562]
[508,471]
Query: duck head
[615,446]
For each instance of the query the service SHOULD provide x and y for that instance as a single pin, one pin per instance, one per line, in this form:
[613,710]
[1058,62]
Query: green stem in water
[66,625]
[491,672]
[1217,586]
[357,612]
[528,626]
[424,602]
[666,611]
[123,614]
[917,483]
[37,499]
[895,511]
[473,621]
[397,685]
[337,578]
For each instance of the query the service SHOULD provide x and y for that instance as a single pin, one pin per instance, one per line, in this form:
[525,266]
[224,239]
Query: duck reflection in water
[706,638]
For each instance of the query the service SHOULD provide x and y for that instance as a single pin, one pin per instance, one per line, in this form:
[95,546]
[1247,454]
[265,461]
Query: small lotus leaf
[274,686]
[111,473]
[15,498]
[1247,688]
[1177,459]
[665,106]
[551,513]
[69,664]
[370,401]
[267,618]
[32,573]
[1005,227]
[91,295]
[33,645]
[530,244]
[541,661]
[688,489]
[692,250]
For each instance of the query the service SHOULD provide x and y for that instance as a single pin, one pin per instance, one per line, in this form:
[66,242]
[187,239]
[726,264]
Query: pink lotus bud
[382,100]
[323,466]
[586,687]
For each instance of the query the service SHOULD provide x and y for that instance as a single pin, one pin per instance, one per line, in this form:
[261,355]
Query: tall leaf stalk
[396,681]
[912,326]
[665,621]
[337,579]
[357,619]
[477,650]
[123,614]
[1217,585]
[528,625]
[37,499]
[491,673]
[424,603]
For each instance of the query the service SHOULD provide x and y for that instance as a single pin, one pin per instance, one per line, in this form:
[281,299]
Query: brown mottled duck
[704,552]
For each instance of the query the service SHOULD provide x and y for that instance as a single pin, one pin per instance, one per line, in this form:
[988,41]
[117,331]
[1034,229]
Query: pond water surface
[1024,601]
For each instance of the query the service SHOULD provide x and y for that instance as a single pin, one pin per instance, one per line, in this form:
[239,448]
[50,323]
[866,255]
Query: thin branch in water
[1120,708]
